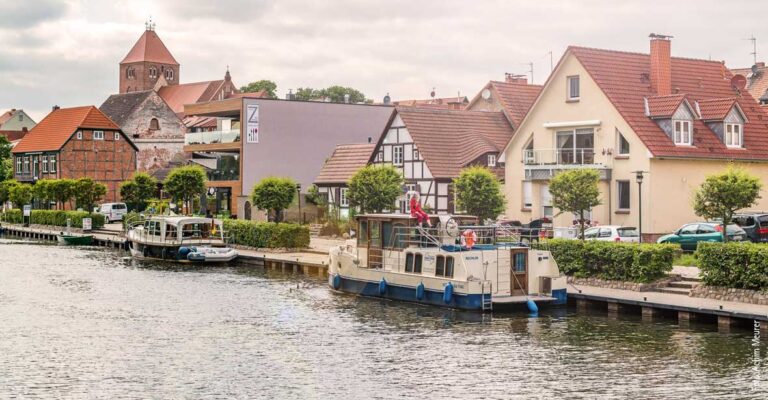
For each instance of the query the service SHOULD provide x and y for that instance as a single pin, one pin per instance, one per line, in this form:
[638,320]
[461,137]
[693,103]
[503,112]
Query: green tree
[478,192]
[576,191]
[186,183]
[137,191]
[5,190]
[42,191]
[62,191]
[274,194]
[20,195]
[334,93]
[314,196]
[375,188]
[721,195]
[6,160]
[87,192]
[268,86]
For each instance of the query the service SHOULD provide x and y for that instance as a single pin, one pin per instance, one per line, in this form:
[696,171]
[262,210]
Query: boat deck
[502,300]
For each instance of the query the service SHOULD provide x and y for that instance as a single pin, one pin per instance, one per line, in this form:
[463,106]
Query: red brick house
[74,143]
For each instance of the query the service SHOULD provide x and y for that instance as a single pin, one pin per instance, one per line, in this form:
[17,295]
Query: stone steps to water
[675,290]
[683,284]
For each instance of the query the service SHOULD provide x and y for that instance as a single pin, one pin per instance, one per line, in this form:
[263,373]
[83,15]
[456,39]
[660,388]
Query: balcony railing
[570,156]
[213,137]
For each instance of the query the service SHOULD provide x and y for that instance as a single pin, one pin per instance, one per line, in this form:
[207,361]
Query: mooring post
[685,317]
[582,305]
[724,323]
[649,313]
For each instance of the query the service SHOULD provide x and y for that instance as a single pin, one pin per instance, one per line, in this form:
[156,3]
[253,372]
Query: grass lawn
[686,260]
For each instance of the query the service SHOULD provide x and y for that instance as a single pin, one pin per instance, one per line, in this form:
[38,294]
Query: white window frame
[98,135]
[18,164]
[491,160]
[569,87]
[619,137]
[679,137]
[527,195]
[169,74]
[79,135]
[117,135]
[26,163]
[52,163]
[395,152]
[728,137]
[45,164]
[618,194]
[343,200]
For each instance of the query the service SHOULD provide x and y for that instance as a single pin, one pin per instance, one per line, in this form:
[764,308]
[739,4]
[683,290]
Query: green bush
[610,260]
[55,218]
[740,265]
[266,234]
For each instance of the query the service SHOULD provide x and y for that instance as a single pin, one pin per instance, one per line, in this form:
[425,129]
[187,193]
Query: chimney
[54,108]
[661,64]
[514,78]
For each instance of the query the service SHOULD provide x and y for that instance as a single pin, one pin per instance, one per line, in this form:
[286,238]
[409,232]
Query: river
[90,323]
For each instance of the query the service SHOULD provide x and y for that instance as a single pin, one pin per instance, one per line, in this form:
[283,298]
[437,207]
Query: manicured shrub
[267,234]
[611,260]
[55,218]
[740,265]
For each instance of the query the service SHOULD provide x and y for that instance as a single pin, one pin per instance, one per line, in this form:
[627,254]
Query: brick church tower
[147,62]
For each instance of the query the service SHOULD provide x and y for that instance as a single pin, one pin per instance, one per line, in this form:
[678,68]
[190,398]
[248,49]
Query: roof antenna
[754,48]
[530,65]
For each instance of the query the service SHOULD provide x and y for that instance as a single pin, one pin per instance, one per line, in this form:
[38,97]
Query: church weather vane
[149,25]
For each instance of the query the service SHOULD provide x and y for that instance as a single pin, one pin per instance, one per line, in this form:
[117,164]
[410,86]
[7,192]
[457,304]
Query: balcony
[213,140]
[542,164]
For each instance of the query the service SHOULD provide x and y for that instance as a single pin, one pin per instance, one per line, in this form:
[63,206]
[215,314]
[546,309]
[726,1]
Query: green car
[690,235]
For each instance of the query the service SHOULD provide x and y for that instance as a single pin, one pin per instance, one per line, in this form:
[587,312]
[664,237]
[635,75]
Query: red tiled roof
[516,98]
[449,139]
[620,76]
[664,106]
[6,116]
[446,103]
[188,93]
[261,94]
[58,126]
[13,135]
[149,47]
[715,109]
[344,162]
[757,83]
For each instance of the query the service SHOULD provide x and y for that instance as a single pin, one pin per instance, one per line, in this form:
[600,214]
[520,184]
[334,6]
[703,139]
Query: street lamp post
[298,193]
[639,180]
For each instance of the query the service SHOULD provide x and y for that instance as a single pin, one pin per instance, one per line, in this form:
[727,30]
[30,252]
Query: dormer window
[734,136]
[683,135]
[491,160]
[574,91]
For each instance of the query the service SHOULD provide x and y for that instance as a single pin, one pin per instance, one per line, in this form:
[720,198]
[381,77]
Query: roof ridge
[517,83]
[642,54]
[426,110]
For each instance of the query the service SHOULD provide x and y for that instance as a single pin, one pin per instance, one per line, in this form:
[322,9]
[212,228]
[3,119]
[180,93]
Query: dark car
[755,224]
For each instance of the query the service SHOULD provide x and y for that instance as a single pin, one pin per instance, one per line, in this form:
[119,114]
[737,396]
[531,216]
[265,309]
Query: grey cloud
[25,14]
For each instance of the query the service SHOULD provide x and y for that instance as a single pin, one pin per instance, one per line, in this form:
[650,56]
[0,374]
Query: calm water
[80,323]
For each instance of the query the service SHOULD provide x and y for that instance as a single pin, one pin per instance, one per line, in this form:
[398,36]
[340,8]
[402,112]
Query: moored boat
[179,239]
[457,264]
[74,239]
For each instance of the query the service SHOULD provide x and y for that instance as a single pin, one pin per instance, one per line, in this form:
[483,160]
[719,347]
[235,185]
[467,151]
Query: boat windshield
[196,230]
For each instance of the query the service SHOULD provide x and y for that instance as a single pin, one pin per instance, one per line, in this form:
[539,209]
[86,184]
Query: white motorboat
[180,239]
[457,264]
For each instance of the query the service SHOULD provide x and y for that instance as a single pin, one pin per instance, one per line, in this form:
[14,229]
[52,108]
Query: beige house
[675,119]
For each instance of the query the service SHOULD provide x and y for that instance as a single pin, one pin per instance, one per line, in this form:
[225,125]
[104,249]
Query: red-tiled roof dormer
[346,160]
[716,109]
[58,126]
[664,106]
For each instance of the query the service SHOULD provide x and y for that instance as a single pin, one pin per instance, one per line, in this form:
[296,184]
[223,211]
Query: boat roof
[179,220]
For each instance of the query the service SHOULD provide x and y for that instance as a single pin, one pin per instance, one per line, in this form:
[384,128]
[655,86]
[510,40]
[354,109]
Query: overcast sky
[66,52]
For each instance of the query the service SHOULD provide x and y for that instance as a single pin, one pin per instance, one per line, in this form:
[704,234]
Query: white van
[113,211]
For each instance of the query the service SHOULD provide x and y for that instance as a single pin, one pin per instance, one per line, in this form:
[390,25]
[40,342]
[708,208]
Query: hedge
[740,265]
[55,218]
[267,234]
[611,260]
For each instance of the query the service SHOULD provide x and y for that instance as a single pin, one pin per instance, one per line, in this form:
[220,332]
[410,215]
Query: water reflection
[84,323]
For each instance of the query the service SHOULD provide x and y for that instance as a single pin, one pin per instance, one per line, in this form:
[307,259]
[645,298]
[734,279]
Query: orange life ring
[469,237]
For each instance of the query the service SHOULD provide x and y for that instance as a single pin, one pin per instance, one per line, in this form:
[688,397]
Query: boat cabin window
[444,266]
[152,227]
[362,234]
[170,232]
[196,230]
[375,234]
[398,232]
[388,235]
[413,263]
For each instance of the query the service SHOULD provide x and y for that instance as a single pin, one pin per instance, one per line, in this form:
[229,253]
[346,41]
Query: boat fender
[183,252]
[382,286]
[448,293]
[420,291]
[336,281]
[145,252]
[532,307]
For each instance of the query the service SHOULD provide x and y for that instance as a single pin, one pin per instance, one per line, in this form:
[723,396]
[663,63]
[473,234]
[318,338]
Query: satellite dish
[739,82]
[486,93]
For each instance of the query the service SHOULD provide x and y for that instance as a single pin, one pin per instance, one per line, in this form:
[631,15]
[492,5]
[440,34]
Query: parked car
[530,232]
[113,211]
[613,233]
[754,224]
[689,235]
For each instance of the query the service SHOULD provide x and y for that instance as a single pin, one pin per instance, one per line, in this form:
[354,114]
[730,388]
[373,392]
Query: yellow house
[676,120]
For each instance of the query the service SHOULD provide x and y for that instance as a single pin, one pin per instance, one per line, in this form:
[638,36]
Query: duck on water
[180,239]
[456,264]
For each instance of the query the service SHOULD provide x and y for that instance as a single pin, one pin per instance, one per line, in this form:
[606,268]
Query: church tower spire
[146,62]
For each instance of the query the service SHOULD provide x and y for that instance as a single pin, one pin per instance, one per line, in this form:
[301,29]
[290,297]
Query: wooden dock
[306,262]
